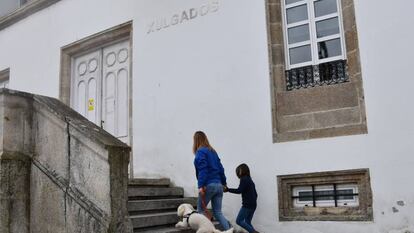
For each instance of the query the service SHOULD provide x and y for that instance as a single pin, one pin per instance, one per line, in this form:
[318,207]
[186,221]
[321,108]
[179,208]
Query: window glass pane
[298,34]
[291,1]
[4,78]
[325,7]
[7,6]
[305,196]
[329,48]
[296,14]
[347,191]
[327,27]
[326,195]
[300,54]
[4,84]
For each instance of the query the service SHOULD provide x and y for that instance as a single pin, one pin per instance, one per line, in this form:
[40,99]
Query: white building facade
[152,72]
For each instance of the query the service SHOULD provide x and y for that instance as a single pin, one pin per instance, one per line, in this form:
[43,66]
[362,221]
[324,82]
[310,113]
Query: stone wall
[58,172]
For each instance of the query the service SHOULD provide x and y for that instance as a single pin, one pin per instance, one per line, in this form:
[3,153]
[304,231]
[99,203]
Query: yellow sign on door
[91,104]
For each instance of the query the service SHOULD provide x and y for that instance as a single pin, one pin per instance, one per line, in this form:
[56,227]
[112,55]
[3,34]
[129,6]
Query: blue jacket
[248,192]
[208,167]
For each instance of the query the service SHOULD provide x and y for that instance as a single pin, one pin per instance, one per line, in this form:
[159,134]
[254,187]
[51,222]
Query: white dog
[237,228]
[196,221]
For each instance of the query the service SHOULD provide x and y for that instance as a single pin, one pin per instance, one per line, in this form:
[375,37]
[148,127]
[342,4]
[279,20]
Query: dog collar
[187,216]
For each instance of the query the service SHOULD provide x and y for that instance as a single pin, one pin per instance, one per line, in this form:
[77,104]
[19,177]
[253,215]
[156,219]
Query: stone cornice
[24,11]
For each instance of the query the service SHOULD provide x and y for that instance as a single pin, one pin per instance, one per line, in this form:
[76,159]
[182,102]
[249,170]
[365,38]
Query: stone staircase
[153,203]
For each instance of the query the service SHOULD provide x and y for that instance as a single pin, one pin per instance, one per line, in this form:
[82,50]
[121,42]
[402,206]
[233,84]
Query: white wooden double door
[100,88]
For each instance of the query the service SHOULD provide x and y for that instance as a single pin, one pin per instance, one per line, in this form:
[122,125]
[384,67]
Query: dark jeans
[214,192]
[244,219]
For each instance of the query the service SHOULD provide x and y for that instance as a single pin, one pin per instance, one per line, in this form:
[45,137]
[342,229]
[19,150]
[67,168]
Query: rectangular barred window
[325,195]
[4,78]
[314,41]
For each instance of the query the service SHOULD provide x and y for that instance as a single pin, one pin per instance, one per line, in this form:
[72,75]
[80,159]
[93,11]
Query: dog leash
[187,217]
[204,205]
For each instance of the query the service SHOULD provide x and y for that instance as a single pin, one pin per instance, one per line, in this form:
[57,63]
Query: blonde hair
[201,140]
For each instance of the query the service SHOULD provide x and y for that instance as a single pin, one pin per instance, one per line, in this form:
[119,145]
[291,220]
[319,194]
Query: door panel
[109,106]
[122,97]
[116,90]
[101,88]
[92,97]
[86,74]
[81,103]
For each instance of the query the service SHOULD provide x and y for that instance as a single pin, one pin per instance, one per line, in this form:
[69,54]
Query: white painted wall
[211,74]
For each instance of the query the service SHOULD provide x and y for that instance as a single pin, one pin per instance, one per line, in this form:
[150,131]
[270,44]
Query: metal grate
[317,75]
[335,195]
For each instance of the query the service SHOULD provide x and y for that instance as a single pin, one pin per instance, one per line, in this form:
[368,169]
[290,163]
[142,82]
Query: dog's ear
[189,208]
[180,210]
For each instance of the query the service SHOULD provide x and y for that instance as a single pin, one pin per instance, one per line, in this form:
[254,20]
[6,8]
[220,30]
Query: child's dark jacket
[248,192]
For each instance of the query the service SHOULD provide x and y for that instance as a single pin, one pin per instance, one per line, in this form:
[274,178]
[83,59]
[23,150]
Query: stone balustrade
[58,171]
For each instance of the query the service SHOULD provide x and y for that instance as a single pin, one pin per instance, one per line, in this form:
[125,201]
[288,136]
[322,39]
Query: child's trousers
[244,219]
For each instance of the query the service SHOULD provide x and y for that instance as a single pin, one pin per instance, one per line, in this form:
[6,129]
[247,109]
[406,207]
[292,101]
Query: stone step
[137,206]
[165,229]
[153,205]
[139,193]
[168,229]
[154,219]
[150,182]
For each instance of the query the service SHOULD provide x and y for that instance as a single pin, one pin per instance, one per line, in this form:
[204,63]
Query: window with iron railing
[315,70]
[314,43]
[8,6]
[4,78]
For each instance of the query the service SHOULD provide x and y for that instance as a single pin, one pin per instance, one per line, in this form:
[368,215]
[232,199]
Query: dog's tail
[228,231]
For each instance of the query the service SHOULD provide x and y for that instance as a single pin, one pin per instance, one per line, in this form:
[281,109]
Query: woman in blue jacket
[210,177]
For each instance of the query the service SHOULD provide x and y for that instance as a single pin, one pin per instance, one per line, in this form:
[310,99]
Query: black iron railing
[334,196]
[318,75]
